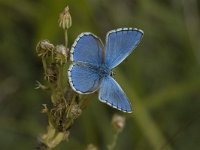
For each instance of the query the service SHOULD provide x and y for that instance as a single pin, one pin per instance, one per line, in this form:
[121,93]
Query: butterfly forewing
[119,44]
[87,48]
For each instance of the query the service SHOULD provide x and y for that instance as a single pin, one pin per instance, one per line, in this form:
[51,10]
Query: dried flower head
[61,54]
[51,73]
[118,122]
[75,111]
[65,20]
[44,48]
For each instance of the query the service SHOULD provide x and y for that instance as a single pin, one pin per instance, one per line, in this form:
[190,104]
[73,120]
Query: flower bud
[45,109]
[118,122]
[65,20]
[91,147]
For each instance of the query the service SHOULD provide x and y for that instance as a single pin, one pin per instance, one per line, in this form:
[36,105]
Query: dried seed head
[61,54]
[51,73]
[118,122]
[75,111]
[65,20]
[44,48]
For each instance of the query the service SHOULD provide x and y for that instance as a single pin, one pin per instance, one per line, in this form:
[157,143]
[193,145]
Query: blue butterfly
[92,65]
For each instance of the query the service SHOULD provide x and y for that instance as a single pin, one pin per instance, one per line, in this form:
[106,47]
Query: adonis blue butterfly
[92,65]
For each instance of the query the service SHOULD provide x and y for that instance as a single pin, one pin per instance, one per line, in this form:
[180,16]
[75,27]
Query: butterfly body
[92,65]
[101,70]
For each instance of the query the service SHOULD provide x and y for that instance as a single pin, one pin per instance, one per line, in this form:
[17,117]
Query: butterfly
[92,64]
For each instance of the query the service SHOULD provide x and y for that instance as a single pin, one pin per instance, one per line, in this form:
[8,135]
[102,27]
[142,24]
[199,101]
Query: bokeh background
[161,77]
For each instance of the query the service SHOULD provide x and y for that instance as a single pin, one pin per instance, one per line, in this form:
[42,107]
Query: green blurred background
[161,77]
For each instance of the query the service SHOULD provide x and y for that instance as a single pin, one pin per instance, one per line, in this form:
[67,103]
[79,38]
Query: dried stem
[114,141]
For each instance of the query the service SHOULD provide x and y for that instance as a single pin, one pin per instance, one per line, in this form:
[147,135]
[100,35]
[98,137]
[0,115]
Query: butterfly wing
[87,48]
[83,79]
[111,93]
[120,43]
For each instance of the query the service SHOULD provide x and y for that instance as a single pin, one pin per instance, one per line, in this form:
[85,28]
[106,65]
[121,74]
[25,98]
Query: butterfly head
[112,73]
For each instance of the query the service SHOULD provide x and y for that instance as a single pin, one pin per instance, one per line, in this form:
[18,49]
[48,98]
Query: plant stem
[44,65]
[60,78]
[113,144]
[66,38]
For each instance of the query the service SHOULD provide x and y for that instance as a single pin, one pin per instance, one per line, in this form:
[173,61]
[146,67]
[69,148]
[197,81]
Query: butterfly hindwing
[111,93]
[83,79]
[119,44]
[87,48]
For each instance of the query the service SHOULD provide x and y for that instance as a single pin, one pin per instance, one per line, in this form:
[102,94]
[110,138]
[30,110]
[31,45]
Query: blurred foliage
[161,78]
